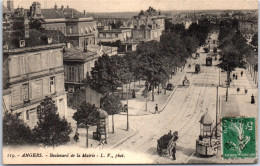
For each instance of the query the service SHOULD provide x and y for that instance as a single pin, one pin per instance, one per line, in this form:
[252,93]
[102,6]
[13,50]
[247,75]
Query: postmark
[238,137]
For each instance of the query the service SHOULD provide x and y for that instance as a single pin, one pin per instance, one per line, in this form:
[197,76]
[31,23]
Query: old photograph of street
[130,81]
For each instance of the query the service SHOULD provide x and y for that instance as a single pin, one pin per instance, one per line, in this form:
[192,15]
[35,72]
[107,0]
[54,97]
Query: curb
[170,96]
[136,114]
[124,139]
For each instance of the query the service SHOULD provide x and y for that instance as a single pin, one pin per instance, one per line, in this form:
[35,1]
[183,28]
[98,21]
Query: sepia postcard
[130,81]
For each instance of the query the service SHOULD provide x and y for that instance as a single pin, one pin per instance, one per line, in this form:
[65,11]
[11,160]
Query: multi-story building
[78,63]
[32,69]
[148,25]
[81,30]
[111,35]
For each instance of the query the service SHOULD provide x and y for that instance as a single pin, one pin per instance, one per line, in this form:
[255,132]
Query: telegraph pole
[127,120]
[216,132]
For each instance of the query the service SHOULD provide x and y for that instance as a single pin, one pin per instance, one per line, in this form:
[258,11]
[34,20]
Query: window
[25,92]
[116,35]
[104,35]
[28,115]
[70,30]
[52,84]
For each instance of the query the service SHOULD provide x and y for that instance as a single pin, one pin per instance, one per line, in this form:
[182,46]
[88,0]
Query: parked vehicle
[169,86]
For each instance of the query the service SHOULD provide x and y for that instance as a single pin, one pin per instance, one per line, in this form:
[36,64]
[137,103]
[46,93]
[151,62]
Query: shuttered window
[16,95]
[25,92]
[46,86]
[36,89]
[14,66]
[59,83]
[52,85]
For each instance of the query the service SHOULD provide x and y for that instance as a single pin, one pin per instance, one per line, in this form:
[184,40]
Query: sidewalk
[239,104]
[120,134]
[137,105]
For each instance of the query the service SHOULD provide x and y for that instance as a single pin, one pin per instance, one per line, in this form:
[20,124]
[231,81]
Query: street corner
[120,136]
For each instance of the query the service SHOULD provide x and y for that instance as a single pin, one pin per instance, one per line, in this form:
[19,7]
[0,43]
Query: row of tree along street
[235,52]
[153,62]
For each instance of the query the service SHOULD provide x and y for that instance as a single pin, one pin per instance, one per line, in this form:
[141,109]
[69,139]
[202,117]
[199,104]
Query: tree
[150,63]
[112,105]
[103,77]
[85,115]
[254,41]
[15,131]
[230,59]
[76,98]
[51,129]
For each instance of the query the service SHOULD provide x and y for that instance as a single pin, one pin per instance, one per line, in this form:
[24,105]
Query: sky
[137,5]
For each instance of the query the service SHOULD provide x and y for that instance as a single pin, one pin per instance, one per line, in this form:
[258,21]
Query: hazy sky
[137,5]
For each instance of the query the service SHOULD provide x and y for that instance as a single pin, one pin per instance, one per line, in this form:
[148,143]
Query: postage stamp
[238,137]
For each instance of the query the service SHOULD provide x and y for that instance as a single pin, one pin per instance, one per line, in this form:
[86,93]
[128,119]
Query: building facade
[79,29]
[33,69]
[112,35]
[79,62]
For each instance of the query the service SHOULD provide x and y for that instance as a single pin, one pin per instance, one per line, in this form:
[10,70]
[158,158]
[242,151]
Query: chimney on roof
[62,7]
[55,6]
[84,12]
[10,5]
[68,7]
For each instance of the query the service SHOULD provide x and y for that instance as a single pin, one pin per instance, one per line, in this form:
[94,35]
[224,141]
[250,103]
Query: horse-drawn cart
[166,143]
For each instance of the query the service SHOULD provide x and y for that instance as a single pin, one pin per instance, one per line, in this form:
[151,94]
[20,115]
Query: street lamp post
[127,120]
[87,135]
[216,132]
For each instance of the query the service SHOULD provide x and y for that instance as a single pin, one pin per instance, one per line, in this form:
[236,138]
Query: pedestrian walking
[170,133]
[241,73]
[252,99]
[238,90]
[156,108]
[76,136]
[236,76]
[133,94]
[173,152]
[246,91]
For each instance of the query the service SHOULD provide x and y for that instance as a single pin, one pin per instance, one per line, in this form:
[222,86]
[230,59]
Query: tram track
[185,111]
[194,116]
[179,114]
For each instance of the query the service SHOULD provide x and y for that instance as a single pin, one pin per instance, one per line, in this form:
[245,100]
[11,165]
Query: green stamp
[238,137]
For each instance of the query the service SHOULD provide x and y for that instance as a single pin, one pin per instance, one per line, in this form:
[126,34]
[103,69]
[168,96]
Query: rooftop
[77,54]
[36,38]
[5,10]
[62,13]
